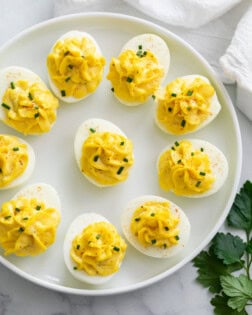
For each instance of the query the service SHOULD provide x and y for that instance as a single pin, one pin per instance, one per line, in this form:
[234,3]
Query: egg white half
[157,46]
[153,251]
[83,132]
[74,229]
[27,172]
[218,164]
[77,35]
[43,192]
[214,108]
[12,74]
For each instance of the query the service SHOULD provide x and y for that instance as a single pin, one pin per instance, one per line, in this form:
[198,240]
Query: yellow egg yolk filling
[98,250]
[135,76]
[75,67]
[184,105]
[185,170]
[154,225]
[13,159]
[30,108]
[27,226]
[107,157]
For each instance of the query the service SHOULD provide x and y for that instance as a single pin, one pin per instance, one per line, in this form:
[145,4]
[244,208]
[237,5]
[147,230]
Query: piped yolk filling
[185,170]
[154,225]
[98,250]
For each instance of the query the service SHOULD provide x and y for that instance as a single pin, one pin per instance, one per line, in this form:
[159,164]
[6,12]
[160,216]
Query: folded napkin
[202,23]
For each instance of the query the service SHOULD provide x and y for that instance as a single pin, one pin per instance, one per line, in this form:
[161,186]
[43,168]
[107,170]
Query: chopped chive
[66,53]
[1,170]
[36,115]
[189,93]
[15,149]
[145,53]
[30,96]
[183,123]
[92,130]
[188,108]
[17,209]
[5,106]
[153,97]
[117,249]
[25,219]
[122,143]
[173,148]
[176,237]
[152,214]
[12,85]
[120,170]
[78,246]
[21,229]
[38,207]
[176,143]
[201,149]
[70,66]
[75,268]
[192,153]
[139,53]
[125,160]
[63,93]
[174,94]
[170,109]
[82,56]
[140,47]
[96,157]
[153,242]
[98,236]
[198,183]
[165,245]
[179,161]
[137,219]
[112,89]
[7,217]
[67,79]
[202,173]
[129,79]
[166,228]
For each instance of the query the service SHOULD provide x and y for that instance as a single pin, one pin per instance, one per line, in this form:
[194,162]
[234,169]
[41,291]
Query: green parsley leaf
[210,268]
[220,303]
[239,289]
[228,248]
[240,215]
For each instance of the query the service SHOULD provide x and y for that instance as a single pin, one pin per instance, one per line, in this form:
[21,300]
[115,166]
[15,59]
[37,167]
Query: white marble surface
[176,295]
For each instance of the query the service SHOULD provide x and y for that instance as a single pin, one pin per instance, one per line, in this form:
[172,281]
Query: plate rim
[237,175]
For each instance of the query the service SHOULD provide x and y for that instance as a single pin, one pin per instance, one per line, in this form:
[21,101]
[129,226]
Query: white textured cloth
[208,25]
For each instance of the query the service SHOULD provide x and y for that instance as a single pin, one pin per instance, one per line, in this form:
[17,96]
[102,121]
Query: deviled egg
[93,249]
[27,105]
[17,161]
[29,221]
[186,104]
[75,66]
[136,74]
[103,153]
[155,226]
[192,168]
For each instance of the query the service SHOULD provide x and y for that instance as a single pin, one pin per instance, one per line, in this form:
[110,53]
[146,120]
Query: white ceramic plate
[56,164]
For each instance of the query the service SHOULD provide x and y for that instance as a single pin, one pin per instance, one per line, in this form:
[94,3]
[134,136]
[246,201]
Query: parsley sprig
[225,269]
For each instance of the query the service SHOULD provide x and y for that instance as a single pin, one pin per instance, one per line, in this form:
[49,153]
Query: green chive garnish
[140,47]
[153,242]
[38,207]
[165,245]
[174,94]
[92,130]
[25,219]
[183,123]
[125,160]
[198,183]
[176,143]
[36,115]
[169,109]
[63,93]
[30,96]
[96,157]
[153,97]
[188,108]
[78,246]
[152,214]
[166,228]
[137,219]
[15,149]
[122,143]
[120,170]
[192,153]
[17,209]
[189,93]
[129,79]
[5,106]
[66,53]
[7,217]
[67,79]
[21,229]
[75,268]
[202,173]
[177,237]
[98,236]
[117,249]
[201,149]
[173,148]
[145,53]
[112,89]
[70,66]
[179,161]
[12,85]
